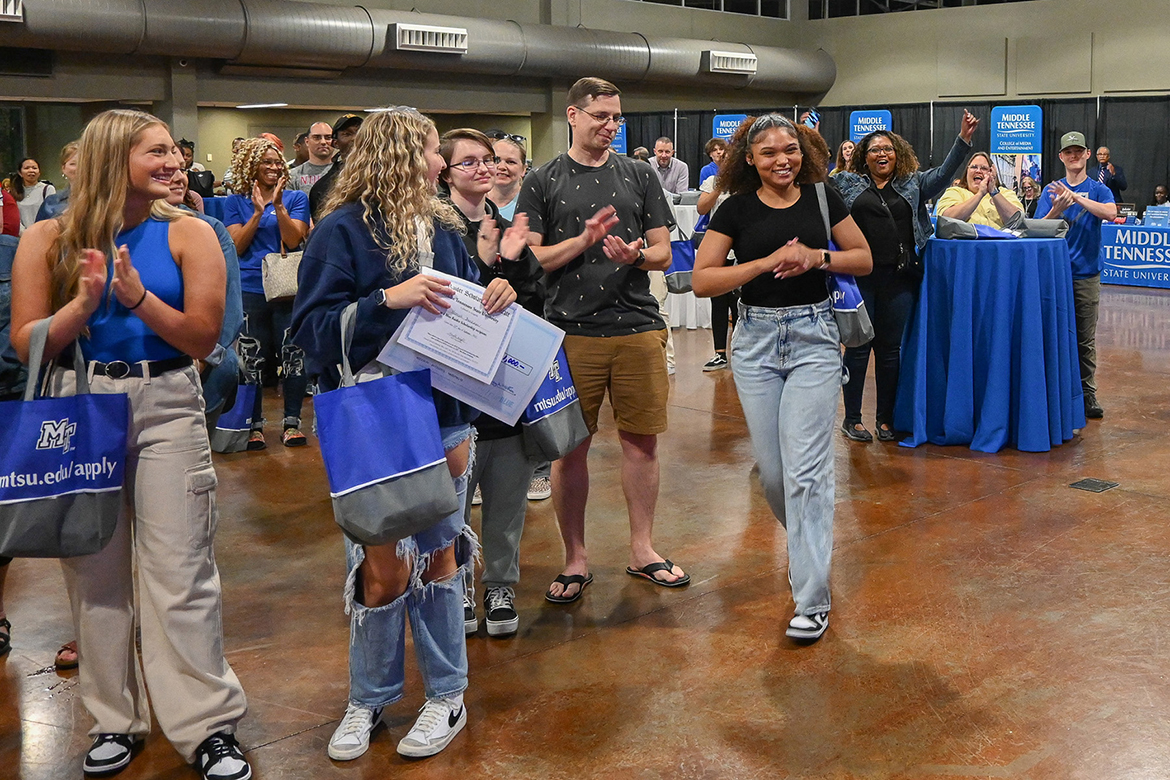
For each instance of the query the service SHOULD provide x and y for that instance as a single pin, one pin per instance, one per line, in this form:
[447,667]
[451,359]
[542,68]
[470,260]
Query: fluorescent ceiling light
[264,105]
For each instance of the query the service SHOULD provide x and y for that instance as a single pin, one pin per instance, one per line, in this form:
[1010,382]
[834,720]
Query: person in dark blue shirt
[715,149]
[382,223]
[1109,174]
[1082,202]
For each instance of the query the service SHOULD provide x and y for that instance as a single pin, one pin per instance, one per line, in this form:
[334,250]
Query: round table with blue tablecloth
[990,354]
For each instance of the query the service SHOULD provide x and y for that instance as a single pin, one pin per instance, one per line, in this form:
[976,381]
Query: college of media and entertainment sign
[862,123]
[1135,255]
[725,125]
[1016,129]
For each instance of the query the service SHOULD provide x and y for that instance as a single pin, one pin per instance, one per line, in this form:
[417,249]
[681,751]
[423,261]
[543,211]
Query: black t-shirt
[592,295]
[757,230]
[886,221]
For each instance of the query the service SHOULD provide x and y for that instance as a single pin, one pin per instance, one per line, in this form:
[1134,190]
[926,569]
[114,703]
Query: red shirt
[11,218]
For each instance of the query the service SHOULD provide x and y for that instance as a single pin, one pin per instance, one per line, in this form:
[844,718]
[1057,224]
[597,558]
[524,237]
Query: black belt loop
[120,369]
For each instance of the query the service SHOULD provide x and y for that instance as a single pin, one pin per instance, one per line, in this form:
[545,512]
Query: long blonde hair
[246,164]
[386,171]
[97,196]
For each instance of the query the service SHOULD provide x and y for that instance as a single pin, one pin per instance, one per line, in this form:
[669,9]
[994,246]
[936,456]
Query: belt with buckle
[120,369]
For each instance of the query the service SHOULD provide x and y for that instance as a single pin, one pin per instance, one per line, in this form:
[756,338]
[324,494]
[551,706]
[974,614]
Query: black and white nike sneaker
[438,722]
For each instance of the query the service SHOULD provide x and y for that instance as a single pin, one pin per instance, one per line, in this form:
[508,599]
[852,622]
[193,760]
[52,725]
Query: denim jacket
[917,188]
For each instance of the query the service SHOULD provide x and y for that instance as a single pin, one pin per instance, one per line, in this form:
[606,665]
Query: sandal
[67,657]
[256,441]
[566,580]
[648,571]
[5,636]
[856,432]
[886,433]
[292,437]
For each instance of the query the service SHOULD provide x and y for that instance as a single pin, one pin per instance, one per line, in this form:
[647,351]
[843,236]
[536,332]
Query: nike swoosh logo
[453,718]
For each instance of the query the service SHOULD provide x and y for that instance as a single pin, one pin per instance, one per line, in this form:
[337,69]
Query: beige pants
[659,290]
[164,536]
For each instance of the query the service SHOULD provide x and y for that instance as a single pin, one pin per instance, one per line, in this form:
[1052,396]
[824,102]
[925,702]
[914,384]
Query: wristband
[140,300]
[993,194]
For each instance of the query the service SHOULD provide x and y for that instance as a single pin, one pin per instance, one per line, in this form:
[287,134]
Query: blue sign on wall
[619,140]
[725,125]
[1016,129]
[1135,255]
[862,123]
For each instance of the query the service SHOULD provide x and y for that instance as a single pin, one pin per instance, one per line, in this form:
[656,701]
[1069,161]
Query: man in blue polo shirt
[1082,203]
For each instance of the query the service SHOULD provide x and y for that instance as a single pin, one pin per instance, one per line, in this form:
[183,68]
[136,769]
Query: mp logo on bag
[555,370]
[57,435]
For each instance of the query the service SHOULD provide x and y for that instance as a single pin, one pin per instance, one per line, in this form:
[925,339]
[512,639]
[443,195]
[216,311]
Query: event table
[990,354]
[1136,255]
[684,309]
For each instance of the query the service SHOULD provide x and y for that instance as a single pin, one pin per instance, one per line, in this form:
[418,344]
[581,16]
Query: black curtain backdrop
[1134,129]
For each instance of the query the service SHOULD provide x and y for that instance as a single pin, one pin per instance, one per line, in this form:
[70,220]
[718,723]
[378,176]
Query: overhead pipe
[301,35]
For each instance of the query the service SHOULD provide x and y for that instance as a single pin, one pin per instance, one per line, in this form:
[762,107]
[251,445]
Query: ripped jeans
[377,647]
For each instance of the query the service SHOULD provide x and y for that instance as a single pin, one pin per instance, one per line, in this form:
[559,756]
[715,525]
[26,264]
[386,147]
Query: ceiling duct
[425,37]
[11,11]
[730,62]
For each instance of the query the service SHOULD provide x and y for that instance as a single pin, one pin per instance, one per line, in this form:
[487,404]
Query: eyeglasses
[617,119]
[499,135]
[978,168]
[876,150]
[470,165]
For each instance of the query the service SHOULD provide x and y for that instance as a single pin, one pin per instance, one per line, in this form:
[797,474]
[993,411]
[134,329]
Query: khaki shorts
[632,368]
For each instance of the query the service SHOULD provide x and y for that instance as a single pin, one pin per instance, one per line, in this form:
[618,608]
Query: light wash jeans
[377,648]
[787,368]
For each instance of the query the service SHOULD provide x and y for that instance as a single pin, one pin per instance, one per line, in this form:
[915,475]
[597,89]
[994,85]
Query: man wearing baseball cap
[1082,203]
[345,129]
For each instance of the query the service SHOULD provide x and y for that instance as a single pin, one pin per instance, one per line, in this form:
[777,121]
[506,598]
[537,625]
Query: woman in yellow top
[977,197]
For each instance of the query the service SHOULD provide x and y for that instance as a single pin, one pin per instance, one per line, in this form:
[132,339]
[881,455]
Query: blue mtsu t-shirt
[1084,230]
[710,169]
[238,209]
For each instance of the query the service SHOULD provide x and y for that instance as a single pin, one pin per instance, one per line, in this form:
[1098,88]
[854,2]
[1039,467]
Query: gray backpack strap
[823,202]
[36,355]
[348,318]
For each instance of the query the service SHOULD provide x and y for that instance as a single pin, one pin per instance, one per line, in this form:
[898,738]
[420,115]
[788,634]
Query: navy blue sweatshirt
[342,264]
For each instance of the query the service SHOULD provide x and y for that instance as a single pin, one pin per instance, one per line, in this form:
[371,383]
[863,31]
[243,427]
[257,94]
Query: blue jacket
[917,188]
[341,264]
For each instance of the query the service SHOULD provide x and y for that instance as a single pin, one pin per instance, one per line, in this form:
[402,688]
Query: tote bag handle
[36,353]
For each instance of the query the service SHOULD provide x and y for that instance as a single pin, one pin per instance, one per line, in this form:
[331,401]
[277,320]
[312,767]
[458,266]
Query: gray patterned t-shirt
[592,295]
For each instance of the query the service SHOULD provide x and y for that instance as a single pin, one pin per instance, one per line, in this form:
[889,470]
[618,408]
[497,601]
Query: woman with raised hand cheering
[143,292]
[382,212]
[262,217]
[785,354]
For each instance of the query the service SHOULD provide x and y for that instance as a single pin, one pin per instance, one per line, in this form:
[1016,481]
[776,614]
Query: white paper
[525,364]
[463,337]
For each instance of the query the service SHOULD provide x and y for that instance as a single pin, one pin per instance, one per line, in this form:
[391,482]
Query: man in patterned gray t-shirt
[599,222]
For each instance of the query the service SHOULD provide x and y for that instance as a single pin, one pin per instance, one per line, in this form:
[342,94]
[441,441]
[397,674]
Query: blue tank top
[115,332]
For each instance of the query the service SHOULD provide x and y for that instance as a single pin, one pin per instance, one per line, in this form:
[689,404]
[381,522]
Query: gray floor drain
[1094,485]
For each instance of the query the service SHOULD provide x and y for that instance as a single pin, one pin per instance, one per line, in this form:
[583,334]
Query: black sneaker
[716,363]
[219,758]
[1093,409]
[499,604]
[109,754]
[470,621]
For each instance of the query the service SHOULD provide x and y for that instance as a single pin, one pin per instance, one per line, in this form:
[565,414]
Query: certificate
[464,337]
[524,366]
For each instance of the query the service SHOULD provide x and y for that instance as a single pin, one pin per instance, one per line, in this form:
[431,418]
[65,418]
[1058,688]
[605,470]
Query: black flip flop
[647,573]
[6,637]
[566,580]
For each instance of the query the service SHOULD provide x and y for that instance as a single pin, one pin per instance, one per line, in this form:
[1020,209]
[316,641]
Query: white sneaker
[440,720]
[352,737]
[539,489]
[470,621]
[477,497]
[808,628]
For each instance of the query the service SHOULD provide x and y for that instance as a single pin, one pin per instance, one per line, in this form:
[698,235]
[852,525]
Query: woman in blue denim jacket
[886,195]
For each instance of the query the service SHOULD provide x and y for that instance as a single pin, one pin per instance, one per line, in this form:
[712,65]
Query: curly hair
[246,164]
[386,171]
[98,195]
[905,164]
[737,175]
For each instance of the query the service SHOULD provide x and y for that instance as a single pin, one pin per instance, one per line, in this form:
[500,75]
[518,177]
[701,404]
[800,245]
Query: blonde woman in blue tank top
[143,295]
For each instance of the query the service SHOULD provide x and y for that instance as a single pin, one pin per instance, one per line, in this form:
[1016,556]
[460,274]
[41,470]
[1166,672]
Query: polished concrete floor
[988,620]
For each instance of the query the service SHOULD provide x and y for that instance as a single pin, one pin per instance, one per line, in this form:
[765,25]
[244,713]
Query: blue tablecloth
[213,207]
[990,354]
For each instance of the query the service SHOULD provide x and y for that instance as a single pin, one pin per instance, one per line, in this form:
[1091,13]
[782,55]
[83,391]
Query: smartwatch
[825,259]
[641,259]
[380,296]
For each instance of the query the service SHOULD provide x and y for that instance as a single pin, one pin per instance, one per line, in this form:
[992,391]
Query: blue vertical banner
[619,140]
[725,125]
[1016,129]
[862,123]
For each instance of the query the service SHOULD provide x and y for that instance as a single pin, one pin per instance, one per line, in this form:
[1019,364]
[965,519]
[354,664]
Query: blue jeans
[787,368]
[377,646]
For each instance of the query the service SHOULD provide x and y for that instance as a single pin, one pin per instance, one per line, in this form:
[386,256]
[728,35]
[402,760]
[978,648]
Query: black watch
[826,259]
[380,296]
[641,259]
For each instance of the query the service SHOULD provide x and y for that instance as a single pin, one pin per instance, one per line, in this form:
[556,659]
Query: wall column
[181,108]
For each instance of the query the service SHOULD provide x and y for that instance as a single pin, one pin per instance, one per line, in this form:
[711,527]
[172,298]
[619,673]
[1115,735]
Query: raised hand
[127,285]
[487,241]
[498,296]
[1062,197]
[91,281]
[258,199]
[515,238]
[597,226]
[421,290]
[968,127]
[278,193]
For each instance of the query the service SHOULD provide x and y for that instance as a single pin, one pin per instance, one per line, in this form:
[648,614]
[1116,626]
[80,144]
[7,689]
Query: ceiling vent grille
[729,62]
[425,37]
[11,10]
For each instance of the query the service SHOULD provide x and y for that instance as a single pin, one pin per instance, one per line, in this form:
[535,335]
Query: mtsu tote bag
[62,463]
[853,322]
[383,453]
[553,425]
